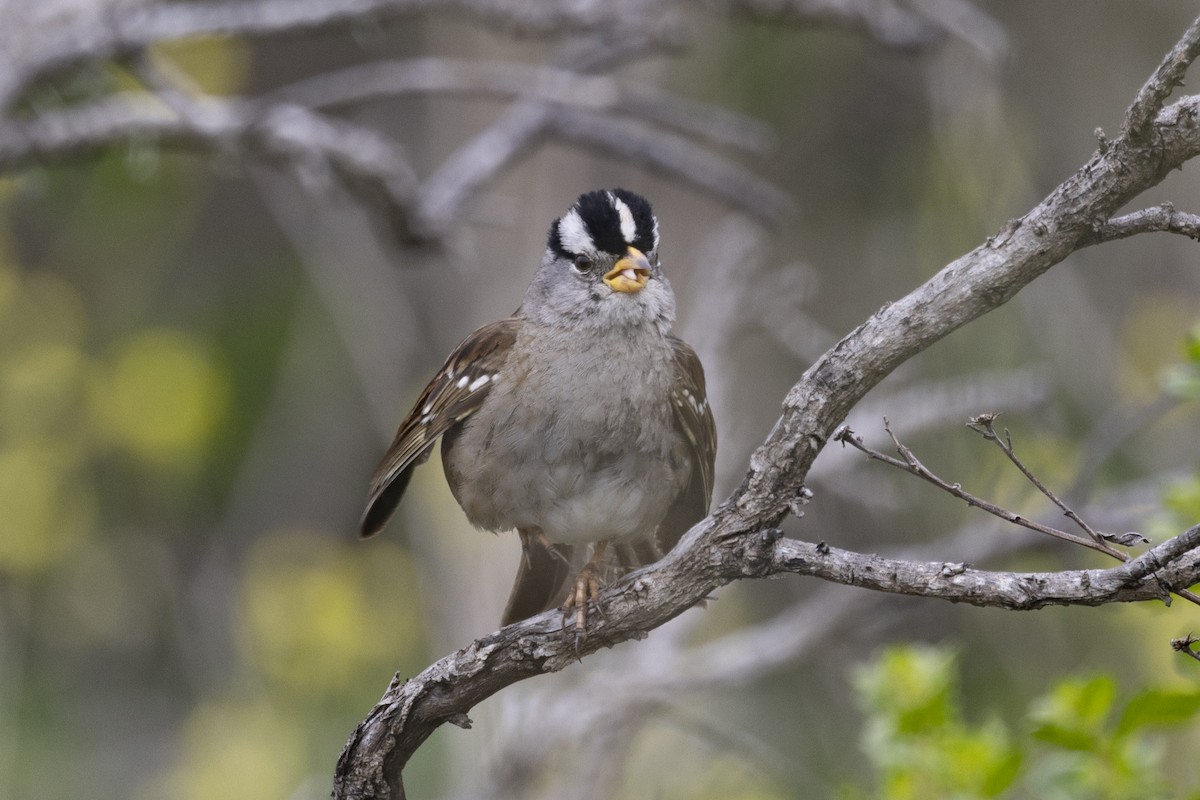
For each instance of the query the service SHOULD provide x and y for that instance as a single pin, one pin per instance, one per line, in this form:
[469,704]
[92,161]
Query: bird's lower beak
[630,273]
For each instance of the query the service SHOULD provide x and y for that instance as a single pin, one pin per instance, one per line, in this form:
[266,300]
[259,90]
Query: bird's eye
[582,263]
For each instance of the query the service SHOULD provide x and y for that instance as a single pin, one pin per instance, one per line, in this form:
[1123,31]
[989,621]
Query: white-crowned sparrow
[580,419]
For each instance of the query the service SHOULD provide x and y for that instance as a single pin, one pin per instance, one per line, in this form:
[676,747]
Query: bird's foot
[586,590]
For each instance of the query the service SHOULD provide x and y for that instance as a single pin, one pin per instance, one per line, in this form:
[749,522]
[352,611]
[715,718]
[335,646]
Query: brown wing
[693,419]
[453,395]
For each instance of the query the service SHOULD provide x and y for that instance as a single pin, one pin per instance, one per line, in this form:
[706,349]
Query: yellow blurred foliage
[41,388]
[45,510]
[215,65]
[38,308]
[161,397]
[234,751]
[316,612]
[10,284]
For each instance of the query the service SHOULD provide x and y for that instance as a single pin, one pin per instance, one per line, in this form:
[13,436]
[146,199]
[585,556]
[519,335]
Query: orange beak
[630,273]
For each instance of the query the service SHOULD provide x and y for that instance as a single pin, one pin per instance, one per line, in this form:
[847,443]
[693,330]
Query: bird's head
[601,267]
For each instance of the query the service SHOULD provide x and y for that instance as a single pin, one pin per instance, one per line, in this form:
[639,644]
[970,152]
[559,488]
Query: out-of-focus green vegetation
[152,644]
[109,436]
[1084,739]
[1181,498]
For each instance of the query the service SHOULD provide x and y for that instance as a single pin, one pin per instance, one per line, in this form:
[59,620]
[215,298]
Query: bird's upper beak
[630,273]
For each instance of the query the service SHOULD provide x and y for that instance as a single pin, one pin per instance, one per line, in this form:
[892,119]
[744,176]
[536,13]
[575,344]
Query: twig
[1161,218]
[913,466]
[1184,646]
[984,425]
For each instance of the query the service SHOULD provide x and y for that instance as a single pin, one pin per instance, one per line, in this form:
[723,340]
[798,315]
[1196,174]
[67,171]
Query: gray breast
[577,441]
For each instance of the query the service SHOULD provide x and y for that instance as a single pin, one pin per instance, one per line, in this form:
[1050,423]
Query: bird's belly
[575,506]
[580,493]
[597,457]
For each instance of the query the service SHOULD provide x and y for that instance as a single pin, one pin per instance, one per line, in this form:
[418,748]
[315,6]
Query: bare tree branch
[667,673]
[1161,218]
[910,464]
[984,425]
[674,155]
[883,21]
[460,175]
[505,78]
[123,32]
[1150,98]
[1177,560]
[370,166]
[410,710]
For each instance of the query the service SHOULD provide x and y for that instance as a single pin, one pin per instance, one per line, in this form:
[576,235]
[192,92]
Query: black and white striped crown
[606,221]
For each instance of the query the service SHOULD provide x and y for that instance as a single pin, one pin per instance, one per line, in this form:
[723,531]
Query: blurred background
[223,282]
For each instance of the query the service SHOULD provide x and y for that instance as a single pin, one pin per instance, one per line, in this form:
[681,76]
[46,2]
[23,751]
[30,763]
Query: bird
[581,421]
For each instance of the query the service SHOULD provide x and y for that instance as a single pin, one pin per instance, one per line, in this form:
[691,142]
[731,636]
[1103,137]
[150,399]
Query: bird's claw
[585,591]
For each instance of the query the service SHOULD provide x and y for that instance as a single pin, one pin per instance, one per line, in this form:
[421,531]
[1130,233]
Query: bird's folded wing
[693,419]
[453,395]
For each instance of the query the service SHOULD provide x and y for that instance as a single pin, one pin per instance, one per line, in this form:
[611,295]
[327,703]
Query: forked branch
[984,424]
[910,464]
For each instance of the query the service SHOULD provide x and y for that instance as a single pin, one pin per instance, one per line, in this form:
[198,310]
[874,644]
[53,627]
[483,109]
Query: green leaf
[1066,737]
[980,760]
[1073,714]
[1183,498]
[912,686]
[1159,707]
[1191,344]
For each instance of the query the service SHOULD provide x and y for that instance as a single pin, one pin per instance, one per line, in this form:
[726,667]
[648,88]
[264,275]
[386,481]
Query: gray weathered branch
[121,32]
[1151,97]
[1162,218]
[510,79]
